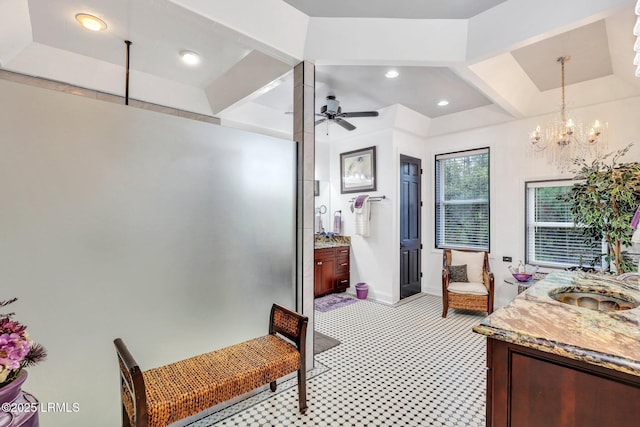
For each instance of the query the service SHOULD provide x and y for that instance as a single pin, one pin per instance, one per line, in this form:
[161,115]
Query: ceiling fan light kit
[332,112]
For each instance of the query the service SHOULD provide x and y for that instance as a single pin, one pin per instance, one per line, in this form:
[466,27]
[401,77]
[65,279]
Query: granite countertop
[534,319]
[323,241]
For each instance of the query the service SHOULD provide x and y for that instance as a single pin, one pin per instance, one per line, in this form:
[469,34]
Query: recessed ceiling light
[189,57]
[90,22]
[391,74]
[443,103]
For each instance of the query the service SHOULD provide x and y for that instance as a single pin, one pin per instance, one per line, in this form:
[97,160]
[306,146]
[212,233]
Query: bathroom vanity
[331,264]
[566,352]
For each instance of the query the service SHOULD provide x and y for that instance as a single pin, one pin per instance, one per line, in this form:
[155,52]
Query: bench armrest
[134,399]
[289,324]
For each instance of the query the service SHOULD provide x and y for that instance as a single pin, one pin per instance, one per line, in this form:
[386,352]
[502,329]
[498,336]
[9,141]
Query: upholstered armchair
[467,281]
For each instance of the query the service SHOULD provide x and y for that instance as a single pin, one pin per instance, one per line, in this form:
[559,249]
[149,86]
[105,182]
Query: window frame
[439,205]
[529,212]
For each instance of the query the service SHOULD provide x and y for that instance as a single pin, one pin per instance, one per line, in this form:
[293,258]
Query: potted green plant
[603,203]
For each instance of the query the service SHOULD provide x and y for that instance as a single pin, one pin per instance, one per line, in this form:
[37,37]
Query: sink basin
[594,298]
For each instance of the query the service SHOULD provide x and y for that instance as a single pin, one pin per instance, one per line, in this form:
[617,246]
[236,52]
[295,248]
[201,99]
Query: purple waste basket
[361,290]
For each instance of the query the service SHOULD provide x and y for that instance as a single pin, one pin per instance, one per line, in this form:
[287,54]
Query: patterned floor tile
[398,365]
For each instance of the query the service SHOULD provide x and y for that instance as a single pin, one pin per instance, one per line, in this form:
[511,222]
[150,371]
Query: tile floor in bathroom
[398,365]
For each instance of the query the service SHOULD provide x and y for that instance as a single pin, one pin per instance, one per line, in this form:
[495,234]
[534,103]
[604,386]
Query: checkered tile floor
[396,366]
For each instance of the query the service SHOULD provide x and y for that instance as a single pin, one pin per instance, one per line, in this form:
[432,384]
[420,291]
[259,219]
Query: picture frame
[358,170]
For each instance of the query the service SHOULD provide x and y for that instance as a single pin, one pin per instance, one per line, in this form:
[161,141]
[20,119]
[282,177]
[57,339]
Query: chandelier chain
[562,60]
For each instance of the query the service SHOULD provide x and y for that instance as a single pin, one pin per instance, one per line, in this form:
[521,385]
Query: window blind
[552,238]
[462,200]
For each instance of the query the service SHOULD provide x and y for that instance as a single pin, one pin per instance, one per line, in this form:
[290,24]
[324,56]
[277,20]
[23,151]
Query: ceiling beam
[378,41]
[516,23]
[250,77]
[272,26]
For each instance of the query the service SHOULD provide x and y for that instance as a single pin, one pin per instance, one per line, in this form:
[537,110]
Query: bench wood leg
[273,385]
[302,389]
[125,418]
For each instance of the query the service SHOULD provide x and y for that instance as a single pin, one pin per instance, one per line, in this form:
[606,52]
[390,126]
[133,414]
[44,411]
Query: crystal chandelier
[565,137]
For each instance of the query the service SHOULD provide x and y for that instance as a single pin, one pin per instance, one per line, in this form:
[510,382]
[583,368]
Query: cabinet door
[324,271]
[529,388]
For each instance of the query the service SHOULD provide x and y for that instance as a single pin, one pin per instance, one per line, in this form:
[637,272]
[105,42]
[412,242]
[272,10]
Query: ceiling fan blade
[320,121]
[345,124]
[360,114]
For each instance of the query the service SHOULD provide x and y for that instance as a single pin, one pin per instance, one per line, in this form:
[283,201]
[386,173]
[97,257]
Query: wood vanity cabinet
[331,270]
[531,388]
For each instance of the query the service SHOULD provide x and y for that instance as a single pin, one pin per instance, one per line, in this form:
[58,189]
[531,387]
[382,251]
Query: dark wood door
[410,226]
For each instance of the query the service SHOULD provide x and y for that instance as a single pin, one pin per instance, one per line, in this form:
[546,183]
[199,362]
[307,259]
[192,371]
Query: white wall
[375,259]
[173,234]
[372,256]
[511,165]
[401,131]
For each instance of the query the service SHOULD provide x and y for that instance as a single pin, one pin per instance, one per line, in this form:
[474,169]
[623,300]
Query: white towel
[363,215]
[636,236]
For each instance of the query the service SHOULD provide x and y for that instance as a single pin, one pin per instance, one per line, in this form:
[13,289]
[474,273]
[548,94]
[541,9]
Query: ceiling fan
[333,112]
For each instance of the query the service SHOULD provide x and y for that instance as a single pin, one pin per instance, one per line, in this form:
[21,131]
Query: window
[551,237]
[462,200]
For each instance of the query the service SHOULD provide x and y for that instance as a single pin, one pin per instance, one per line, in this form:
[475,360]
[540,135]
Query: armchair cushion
[468,288]
[474,262]
[458,273]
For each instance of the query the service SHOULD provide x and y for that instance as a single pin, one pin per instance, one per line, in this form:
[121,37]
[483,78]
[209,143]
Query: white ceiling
[408,9]
[587,46]
[364,88]
[492,59]
[158,30]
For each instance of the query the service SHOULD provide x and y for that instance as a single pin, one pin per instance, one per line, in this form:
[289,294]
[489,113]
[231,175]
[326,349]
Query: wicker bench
[164,395]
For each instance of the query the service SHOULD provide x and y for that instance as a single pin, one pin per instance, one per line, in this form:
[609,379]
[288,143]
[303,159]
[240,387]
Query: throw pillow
[474,261]
[458,273]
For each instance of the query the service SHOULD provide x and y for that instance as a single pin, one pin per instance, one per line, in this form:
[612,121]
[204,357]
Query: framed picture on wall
[358,170]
